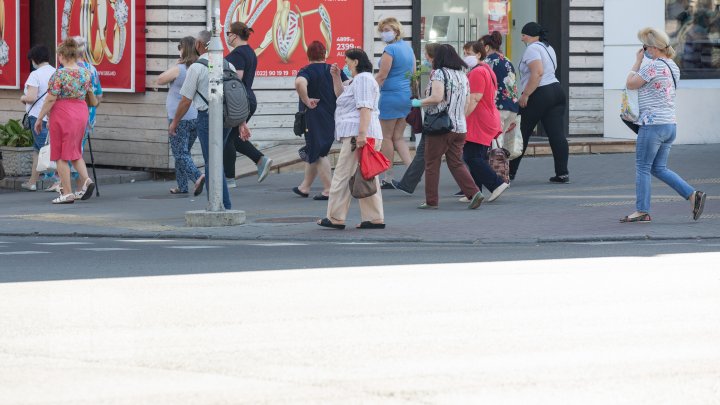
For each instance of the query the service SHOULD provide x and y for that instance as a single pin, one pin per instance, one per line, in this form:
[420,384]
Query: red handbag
[372,162]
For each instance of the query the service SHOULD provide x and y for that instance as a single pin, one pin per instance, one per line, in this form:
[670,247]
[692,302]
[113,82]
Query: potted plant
[16,148]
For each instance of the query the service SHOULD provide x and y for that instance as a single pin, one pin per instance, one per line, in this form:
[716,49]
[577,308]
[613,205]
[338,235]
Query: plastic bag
[372,162]
[512,140]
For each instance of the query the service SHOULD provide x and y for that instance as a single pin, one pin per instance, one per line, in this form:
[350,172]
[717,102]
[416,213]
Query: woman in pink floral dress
[68,112]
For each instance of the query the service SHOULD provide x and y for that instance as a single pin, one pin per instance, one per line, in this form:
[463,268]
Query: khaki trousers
[371,208]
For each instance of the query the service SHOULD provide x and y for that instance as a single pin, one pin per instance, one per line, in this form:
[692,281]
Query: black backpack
[235,99]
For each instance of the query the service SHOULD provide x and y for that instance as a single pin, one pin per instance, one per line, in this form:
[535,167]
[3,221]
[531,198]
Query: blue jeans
[651,156]
[203,134]
[38,139]
[185,169]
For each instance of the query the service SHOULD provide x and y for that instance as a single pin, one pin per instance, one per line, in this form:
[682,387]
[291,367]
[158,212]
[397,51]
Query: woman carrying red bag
[356,120]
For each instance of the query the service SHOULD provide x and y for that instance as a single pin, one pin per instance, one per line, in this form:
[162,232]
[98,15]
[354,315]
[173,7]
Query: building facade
[595,41]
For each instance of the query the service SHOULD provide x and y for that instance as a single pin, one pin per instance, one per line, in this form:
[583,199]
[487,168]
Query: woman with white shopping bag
[507,96]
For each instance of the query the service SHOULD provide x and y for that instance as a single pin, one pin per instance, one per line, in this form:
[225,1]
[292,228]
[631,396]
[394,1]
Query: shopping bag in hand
[372,162]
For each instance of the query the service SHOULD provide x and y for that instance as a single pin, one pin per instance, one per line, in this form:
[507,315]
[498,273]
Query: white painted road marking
[22,252]
[279,244]
[108,249]
[193,247]
[143,240]
[63,243]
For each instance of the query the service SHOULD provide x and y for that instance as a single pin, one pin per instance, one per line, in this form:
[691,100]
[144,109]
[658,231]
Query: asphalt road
[112,321]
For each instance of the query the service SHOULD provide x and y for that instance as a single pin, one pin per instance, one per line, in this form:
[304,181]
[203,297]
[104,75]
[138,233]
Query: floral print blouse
[507,95]
[70,83]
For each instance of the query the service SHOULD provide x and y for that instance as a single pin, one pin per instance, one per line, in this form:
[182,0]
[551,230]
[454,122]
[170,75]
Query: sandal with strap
[87,189]
[640,218]
[64,199]
[176,190]
[698,204]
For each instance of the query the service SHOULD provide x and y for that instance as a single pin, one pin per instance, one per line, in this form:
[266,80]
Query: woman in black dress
[314,86]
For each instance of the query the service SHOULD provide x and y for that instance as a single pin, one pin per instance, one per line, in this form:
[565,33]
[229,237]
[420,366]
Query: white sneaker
[464,199]
[231,182]
[499,190]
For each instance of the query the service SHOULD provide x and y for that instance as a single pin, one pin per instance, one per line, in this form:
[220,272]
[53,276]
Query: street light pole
[215,214]
[215,65]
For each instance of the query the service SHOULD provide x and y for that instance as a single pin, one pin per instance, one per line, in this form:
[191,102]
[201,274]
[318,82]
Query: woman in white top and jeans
[36,88]
[542,100]
[656,82]
[356,120]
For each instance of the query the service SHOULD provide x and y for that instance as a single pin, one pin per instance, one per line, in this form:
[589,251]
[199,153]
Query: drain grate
[286,220]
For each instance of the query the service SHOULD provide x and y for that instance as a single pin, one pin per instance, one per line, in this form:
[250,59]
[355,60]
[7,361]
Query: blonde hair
[393,23]
[69,49]
[658,39]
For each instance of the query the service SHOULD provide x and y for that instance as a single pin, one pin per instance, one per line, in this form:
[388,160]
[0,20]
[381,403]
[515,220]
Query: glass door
[456,22]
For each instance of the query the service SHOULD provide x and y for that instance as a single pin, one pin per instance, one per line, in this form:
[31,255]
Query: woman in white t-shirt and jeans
[542,99]
[33,97]
[656,83]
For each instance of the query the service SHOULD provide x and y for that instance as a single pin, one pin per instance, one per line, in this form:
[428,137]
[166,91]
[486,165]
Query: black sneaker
[386,186]
[459,194]
[564,179]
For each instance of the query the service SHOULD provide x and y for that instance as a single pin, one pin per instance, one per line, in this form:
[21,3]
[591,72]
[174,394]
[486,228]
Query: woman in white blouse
[356,120]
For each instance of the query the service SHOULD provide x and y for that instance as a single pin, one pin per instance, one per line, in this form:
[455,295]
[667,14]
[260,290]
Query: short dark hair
[446,57]
[39,54]
[468,45]
[479,49]
[316,51]
[359,55]
[241,30]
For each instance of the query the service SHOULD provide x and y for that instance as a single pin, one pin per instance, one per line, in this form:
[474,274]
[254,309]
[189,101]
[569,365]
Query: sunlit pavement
[614,330]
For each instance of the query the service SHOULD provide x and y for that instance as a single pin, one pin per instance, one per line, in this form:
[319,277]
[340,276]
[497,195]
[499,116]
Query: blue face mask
[347,71]
[426,63]
[387,36]
[647,55]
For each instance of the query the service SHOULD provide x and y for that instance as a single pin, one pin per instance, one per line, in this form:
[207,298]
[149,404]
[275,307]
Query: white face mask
[35,65]
[387,36]
[471,61]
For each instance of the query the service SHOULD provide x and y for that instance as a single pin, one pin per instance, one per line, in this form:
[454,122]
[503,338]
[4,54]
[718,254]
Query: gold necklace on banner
[4,46]
[92,11]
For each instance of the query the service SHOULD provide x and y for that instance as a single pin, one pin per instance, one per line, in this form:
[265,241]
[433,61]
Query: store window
[694,30]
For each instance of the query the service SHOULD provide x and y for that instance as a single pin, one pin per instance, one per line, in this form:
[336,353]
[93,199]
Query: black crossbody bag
[26,117]
[438,123]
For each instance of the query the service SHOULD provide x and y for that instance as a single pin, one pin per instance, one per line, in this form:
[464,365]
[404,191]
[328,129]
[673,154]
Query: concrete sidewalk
[531,211]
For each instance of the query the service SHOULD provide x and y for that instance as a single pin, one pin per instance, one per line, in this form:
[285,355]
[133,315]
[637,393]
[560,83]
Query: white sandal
[64,199]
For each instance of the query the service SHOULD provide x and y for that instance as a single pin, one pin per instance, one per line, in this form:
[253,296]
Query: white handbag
[629,105]
[44,163]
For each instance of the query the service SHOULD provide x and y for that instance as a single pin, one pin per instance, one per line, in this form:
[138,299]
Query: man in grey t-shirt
[197,83]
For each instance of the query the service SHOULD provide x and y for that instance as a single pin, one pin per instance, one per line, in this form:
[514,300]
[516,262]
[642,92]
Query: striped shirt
[458,90]
[657,96]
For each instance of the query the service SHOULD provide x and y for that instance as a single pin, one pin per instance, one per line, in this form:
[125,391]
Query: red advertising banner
[498,16]
[284,29]
[115,46]
[9,44]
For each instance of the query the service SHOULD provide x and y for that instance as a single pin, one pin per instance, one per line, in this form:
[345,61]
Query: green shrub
[13,134]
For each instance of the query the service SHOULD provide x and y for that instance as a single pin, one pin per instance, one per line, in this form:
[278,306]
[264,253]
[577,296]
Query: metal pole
[215,64]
